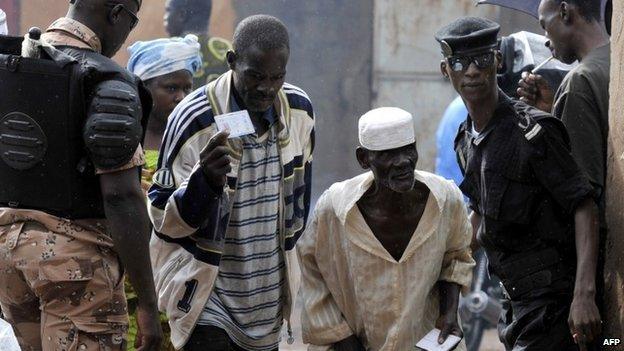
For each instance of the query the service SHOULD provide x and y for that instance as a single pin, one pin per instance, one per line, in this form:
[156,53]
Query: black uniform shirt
[521,178]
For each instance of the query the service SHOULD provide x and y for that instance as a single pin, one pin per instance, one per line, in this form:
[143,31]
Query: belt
[527,263]
[537,270]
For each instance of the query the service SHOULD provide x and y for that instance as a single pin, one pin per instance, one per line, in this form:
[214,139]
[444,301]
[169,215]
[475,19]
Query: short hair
[264,31]
[591,10]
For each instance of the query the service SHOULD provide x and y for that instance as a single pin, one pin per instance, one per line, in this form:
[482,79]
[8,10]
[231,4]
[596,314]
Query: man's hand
[149,335]
[584,321]
[215,161]
[349,344]
[448,324]
[534,90]
[447,321]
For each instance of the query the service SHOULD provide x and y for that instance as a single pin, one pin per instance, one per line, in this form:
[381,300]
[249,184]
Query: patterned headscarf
[150,59]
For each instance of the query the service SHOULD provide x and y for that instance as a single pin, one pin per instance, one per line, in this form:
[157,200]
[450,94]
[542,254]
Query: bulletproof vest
[43,159]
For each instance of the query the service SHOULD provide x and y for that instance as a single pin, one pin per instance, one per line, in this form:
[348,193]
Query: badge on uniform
[163,178]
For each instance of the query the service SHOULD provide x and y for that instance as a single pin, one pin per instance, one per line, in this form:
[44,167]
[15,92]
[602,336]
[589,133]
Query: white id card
[238,123]
[430,342]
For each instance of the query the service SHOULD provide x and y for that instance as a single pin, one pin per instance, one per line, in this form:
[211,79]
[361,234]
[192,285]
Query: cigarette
[541,65]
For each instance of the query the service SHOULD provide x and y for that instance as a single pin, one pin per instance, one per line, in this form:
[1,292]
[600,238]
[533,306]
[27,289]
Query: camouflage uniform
[61,283]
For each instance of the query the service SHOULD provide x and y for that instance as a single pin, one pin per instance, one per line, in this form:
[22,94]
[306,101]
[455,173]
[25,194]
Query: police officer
[534,211]
[71,203]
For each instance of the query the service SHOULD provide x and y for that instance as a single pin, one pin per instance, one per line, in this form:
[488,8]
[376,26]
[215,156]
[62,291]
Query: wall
[406,69]
[614,266]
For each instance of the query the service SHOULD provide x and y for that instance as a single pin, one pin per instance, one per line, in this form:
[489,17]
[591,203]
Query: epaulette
[528,118]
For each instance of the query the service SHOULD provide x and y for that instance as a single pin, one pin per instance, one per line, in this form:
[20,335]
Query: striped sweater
[191,221]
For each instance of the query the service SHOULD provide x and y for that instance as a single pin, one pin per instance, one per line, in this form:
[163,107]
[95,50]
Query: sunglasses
[134,17]
[461,63]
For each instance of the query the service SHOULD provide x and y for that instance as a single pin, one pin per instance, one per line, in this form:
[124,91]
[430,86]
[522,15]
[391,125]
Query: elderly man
[534,211]
[64,234]
[387,252]
[227,212]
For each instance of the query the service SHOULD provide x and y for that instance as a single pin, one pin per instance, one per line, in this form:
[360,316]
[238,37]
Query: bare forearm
[449,298]
[128,225]
[349,344]
[586,238]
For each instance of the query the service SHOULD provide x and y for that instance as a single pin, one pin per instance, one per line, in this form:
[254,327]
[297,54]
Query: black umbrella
[526,6]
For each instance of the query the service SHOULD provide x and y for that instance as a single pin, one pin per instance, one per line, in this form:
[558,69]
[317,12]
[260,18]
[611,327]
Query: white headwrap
[386,128]
[154,58]
[3,23]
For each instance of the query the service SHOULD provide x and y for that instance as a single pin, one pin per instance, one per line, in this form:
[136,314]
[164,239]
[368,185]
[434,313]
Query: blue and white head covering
[154,58]
[3,23]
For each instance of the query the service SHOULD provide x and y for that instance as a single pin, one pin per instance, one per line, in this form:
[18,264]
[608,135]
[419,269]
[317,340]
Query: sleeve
[138,159]
[181,199]
[582,119]
[555,168]
[458,264]
[322,321]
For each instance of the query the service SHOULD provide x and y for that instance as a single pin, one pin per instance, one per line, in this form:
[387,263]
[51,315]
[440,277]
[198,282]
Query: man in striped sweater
[227,212]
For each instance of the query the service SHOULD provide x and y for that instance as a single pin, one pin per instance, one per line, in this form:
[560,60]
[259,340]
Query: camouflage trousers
[59,292]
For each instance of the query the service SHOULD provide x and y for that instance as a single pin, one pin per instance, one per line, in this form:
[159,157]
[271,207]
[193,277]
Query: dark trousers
[539,324]
[209,338]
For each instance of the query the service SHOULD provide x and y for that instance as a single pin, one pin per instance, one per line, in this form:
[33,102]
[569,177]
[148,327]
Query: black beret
[466,35]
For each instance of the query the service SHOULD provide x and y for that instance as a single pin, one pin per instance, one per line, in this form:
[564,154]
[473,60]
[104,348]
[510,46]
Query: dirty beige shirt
[352,285]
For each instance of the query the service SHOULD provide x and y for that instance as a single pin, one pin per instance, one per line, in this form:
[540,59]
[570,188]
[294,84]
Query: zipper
[291,338]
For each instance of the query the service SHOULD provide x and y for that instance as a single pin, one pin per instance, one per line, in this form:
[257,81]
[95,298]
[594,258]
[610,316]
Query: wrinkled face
[393,169]
[258,76]
[174,19]
[124,16]
[167,92]
[558,33]
[473,76]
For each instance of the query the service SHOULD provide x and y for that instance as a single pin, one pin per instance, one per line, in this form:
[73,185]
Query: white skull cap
[386,128]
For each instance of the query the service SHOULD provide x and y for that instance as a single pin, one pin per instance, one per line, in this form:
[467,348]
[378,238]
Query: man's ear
[565,12]
[499,60]
[231,58]
[443,70]
[362,156]
[114,14]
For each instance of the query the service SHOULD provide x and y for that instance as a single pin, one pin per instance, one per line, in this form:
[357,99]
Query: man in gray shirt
[576,31]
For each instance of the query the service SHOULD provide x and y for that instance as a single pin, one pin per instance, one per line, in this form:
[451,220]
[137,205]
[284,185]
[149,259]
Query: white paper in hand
[430,342]
[238,123]
[8,341]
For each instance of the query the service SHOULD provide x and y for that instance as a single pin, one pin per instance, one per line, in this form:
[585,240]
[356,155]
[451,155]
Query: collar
[223,102]
[69,32]
[350,191]
[503,108]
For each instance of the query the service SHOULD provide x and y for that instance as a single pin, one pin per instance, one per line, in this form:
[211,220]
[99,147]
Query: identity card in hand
[430,342]
[238,123]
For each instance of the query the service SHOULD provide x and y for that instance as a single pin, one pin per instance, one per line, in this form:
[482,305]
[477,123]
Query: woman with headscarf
[166,66]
